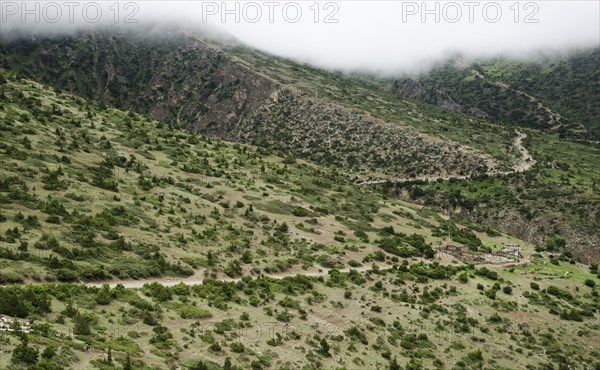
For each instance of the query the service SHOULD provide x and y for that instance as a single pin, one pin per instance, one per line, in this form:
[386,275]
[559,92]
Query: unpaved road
[199,277]
[553,117]
[523,162]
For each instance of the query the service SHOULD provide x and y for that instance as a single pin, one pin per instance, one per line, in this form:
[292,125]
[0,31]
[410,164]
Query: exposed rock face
[330,133]
[556,93]
[189,81]
[583,245]
[415,90]
[186,80]
[478,113]
[180,79]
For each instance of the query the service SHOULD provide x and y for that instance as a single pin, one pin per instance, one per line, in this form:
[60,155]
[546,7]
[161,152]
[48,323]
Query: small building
[9,324]
[511,251]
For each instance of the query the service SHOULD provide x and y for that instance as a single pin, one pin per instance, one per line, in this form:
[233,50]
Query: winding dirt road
[199,277]
[523,162]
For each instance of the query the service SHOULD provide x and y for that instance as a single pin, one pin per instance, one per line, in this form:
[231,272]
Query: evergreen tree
[394,365]
[227,364]
[24,354]
[127,365]
[325,348]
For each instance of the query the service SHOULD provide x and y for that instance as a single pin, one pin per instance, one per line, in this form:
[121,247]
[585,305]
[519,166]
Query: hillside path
[523,162]
[199,277]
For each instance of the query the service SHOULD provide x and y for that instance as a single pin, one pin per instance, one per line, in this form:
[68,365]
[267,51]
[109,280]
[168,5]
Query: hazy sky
[378,36]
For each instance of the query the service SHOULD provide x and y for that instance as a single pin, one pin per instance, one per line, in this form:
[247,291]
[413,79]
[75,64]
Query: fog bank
[383,37]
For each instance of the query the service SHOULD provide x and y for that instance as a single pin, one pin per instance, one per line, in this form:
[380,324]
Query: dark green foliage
[127,364]
[227,364]
[403,245]
[237,347]
[70,310]
[52,180]
[82,324]
[463,278]
[324,348]
[394,364]
[162,337]
[484,271]
[433,270]
[413,341]
[159,292]
[49,352]
[474,359]
[557,292]
[102,177]
[104,296]
[23,301]
[555,244]
[233,268]
[356,333]
[495,318]
[23,353]
[466,237]
[571,315]
[591,283]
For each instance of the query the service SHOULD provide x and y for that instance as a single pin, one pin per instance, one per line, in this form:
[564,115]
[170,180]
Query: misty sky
[376,36]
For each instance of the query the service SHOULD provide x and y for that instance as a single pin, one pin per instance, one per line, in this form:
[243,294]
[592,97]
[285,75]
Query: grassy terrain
[357,125]
[559,196]
[362,93]
[413,316]
[548,92]
[89,192]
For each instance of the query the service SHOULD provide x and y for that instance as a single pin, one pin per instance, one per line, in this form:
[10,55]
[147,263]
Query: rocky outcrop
[414,90]
[186,80]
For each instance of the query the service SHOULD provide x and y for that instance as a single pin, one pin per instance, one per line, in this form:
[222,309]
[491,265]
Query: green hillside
[243,95]
[352,123]
[92,193]
[555,92]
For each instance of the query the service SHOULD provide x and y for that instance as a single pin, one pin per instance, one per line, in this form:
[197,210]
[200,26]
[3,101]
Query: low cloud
[383,37]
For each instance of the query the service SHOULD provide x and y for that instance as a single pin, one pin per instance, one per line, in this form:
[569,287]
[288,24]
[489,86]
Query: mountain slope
[348,122]
[90,192]
[94,193]
[552,93]
[189,81]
